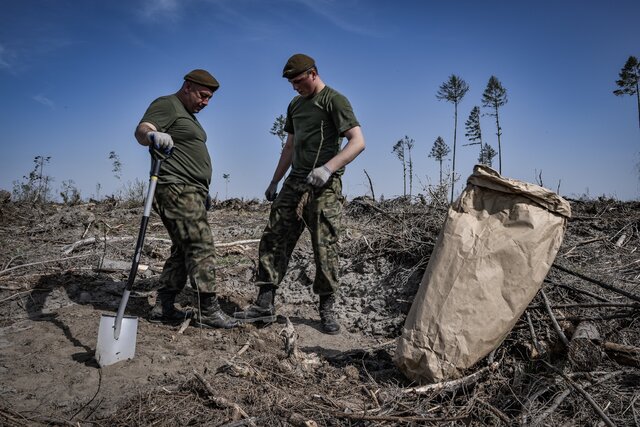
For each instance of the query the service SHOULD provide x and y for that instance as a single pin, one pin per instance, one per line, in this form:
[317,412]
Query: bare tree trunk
[373,195]
[499,144]
[638,99]
[404,177]
[455,131]
[410,175]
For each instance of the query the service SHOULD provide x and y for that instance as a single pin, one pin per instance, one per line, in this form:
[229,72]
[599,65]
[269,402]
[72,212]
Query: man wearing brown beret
[181,193]
[311,195]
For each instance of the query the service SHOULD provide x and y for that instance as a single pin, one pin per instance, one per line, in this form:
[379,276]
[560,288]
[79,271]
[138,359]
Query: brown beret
[203,78]
[297,64]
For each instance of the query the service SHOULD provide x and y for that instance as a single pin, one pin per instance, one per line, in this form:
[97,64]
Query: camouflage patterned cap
[203,78]
[297,64]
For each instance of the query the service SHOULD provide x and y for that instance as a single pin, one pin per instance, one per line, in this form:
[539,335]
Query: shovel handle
[156,160]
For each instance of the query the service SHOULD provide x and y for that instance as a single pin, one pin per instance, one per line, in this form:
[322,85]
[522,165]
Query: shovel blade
[110,350]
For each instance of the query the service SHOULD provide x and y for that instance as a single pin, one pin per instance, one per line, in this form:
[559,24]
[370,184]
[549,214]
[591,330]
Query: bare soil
[52,296]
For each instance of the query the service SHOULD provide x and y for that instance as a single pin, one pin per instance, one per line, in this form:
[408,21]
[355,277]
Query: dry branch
[88,241]
[221,401]
[580,291]
[584,394]
[453,384]
[623,354]
[560,398]
[556,326]
[599,283]
[5,271]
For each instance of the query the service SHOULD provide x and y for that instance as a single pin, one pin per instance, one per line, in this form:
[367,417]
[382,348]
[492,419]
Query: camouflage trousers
[321,216]
[182,210]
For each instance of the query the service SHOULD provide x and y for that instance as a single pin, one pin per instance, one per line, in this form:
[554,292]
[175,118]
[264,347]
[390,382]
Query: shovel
[117,334]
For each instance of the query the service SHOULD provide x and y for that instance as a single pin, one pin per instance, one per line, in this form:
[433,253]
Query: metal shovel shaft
[155,169]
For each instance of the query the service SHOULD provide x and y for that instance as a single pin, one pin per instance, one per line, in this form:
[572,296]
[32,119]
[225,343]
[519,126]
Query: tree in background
[472,125]
[487,153]
[408,144]
[227,178]
[116,164]
[278,130]
[399,150]
[453,90]
[35,186]
[494,97]
[629,81]
[70,193]
[439,151]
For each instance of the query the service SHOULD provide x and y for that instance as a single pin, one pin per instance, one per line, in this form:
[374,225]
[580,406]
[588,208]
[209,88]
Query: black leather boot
[328,314]
[263,310]
[164,311]
[211,315]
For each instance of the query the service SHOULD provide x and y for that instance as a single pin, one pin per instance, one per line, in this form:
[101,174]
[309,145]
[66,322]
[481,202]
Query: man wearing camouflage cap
[311,195]
[181,194]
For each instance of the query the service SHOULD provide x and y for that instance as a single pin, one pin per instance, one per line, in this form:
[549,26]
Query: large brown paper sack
[495,248]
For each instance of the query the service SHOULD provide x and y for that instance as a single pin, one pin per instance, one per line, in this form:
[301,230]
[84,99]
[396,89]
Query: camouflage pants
[321,215]
[183,213]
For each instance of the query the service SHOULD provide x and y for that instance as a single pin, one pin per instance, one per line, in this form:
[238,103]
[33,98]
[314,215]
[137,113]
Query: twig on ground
[584,394]
[88,241]
[185,324]
[221,401]
[453,384]
[599,283]
[560,398]
[532,331]
[580,291]
[554,322]
[495,411]
[31,264]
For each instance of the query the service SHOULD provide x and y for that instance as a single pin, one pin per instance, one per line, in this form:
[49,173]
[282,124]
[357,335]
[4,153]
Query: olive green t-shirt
[189,162]
[317,124]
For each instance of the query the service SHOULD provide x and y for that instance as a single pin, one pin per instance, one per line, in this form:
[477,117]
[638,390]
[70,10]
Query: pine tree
[278,130]
[629,81]
[487,153]
[453,90]
[398,149]
[227,178]
[439,151]
[494,97]
[472,125]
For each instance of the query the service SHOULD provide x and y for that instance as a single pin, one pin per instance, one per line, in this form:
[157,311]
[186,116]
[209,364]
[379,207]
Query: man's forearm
[283,165]
[141,133]
[354,147]
[286,157]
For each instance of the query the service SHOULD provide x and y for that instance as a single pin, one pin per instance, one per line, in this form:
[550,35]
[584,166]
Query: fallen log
[623,354]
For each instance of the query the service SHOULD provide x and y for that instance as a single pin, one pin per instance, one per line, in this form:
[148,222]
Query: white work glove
[272,191]
[319,176]
[160,140]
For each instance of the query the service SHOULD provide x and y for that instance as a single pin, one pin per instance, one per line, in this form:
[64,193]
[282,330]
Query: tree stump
[585,353]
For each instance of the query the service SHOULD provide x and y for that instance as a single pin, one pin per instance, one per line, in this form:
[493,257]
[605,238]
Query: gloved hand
[319,176]
[272,191]
[162,141]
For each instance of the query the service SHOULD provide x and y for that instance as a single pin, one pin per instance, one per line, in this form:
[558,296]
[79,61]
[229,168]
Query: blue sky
[76,77]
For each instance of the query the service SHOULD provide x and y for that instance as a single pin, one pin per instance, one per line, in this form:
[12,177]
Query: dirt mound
[63,266]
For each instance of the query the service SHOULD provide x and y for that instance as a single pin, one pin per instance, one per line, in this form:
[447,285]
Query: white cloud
[342,14]
[44,101]
[3,58]
[152,9]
